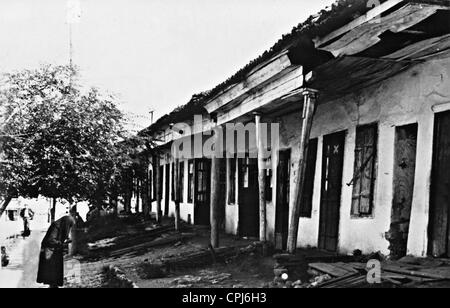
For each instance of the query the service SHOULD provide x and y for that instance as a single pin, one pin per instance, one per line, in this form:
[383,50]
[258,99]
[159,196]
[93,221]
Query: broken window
[232,182]
[191,181]
[364,170]
[308,185]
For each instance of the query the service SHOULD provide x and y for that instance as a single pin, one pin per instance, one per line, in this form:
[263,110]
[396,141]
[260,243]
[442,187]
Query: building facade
[360,106]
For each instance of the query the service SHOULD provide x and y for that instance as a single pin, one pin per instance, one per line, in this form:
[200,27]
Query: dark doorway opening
[248,197]
[282,210]
[202,192]
[404,172]
[167,190]
[439,235]
[330,204]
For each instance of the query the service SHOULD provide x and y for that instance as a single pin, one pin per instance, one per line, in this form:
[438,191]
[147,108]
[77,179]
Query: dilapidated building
[361,97]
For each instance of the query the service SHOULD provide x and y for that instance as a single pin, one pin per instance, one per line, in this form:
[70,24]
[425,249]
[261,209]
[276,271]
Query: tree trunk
[5,205]
[53,211]
[73,235]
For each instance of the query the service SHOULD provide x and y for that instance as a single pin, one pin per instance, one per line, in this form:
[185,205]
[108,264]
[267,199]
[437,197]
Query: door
[248,197]
[404,172]
[202,192]
[439,235]
[330,204]
[282,209]
[167,190]
[222,191]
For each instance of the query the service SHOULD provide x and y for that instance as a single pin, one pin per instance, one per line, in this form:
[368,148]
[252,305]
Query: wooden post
[309,106]
[214,197]
[158,188]
[261,179]
[176,186]
[73,246]
[146,198]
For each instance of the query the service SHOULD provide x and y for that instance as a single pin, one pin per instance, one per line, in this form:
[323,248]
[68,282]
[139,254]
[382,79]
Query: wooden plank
[375,12]
[423,273]
[274,90]
[350,74]
[421,49]
[258,76]
[330,269]
[368,34]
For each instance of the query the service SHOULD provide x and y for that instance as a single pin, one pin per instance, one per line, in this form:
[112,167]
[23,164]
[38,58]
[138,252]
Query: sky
[153,54]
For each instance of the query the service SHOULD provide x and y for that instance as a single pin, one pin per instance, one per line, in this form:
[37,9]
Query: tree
[57,140]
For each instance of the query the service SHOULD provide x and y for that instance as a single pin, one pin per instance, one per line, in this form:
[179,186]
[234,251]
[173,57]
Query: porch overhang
[273,79]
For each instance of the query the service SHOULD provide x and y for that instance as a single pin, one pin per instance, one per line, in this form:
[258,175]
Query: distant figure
[51,259]
[26,214]
[5,257]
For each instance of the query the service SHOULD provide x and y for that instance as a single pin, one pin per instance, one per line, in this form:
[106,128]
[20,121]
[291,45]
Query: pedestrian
[51,259]
[26,214]
[5,257]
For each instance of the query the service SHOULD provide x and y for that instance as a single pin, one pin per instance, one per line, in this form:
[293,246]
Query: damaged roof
[341,13]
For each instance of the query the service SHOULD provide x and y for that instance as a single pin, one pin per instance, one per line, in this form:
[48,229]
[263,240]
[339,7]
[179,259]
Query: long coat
[51,259]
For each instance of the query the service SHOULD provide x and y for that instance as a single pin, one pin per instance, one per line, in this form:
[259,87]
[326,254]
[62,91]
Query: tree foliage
[59,141]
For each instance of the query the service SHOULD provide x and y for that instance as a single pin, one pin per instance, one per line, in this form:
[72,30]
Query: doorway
[282,209]
[202,192]
[404,173]
[330,203]
[248,197]
[439,235]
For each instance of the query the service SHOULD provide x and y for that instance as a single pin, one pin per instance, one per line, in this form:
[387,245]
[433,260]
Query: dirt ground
[249,270]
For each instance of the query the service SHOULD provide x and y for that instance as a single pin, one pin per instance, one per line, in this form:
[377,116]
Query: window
[308,185]
[161,178]
[245,172]
[268,180]
[232,182]
[181,181]
[150,184]
[364,170]
[191,181]
[172,181]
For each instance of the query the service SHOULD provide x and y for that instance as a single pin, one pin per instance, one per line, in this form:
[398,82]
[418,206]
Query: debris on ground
[204,276]
[205,257]
[147,270]
[115,278]
[406,272]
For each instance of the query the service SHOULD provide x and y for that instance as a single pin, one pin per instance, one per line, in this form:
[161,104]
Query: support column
[261,179]
[309,107]
[214,197]
[158,188]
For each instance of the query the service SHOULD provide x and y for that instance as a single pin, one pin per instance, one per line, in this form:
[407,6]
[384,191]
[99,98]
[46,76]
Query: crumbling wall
[407,98]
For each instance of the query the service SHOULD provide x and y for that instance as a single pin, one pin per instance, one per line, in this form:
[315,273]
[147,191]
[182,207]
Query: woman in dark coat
[51,259]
